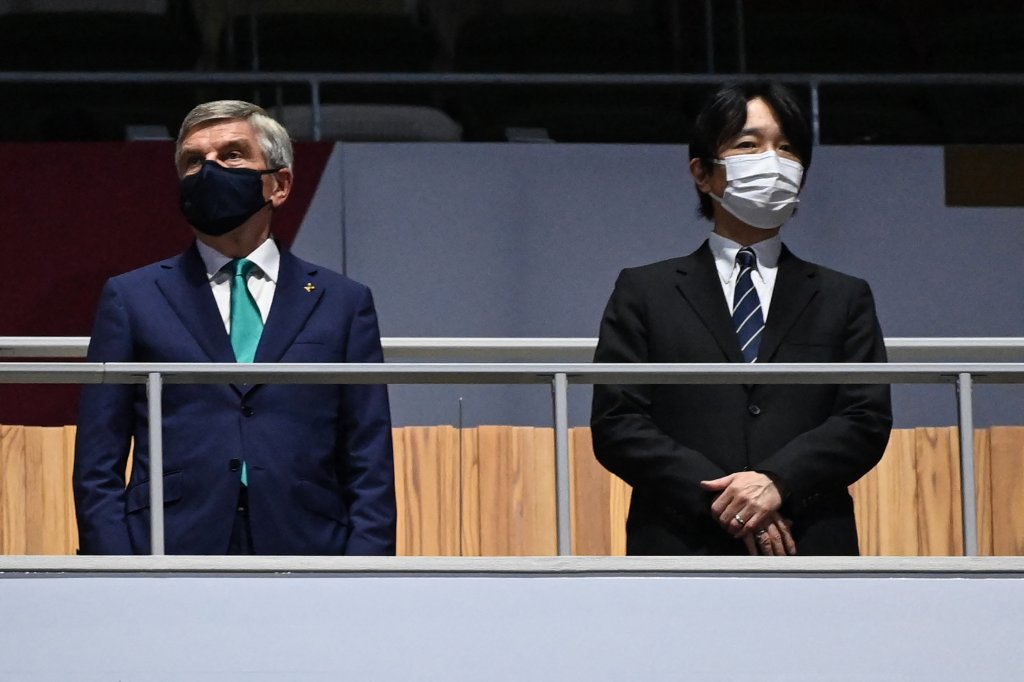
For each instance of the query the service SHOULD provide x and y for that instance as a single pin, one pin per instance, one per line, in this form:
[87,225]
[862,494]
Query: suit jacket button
[235,464]
[246,410]
[754,410]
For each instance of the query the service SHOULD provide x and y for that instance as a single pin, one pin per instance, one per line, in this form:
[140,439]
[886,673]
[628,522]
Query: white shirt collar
[267,258]
[725,250]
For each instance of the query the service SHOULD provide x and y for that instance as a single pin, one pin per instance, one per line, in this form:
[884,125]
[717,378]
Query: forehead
[217,133]
[761,117]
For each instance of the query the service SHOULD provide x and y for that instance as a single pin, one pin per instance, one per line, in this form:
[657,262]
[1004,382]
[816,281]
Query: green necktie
[246,321]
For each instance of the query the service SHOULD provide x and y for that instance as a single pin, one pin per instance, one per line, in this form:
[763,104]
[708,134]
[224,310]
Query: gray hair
[272,136]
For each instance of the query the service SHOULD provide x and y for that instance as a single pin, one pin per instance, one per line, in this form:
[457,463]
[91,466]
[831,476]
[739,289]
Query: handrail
[490,79]
[315,80]
[507,373]
[900,349]
[559,376]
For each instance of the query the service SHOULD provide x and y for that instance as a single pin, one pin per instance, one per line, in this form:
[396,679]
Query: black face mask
[216,200]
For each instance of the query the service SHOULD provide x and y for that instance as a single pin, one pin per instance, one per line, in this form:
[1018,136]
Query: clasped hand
[747,507]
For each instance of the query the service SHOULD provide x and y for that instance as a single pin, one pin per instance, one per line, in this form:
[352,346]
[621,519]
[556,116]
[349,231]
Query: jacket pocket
[321,501]
[137,496]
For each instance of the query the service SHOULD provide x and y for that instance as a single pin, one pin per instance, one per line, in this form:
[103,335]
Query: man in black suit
[734,469]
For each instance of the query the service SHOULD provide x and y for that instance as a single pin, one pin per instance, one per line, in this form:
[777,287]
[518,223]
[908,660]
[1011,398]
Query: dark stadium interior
[950,69]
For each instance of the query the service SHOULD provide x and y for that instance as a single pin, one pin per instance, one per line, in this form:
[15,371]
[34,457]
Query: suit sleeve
[852,440]
[367,463]
[103,438]
[627,441]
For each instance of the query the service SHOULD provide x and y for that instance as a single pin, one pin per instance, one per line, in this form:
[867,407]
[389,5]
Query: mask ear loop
[270,171]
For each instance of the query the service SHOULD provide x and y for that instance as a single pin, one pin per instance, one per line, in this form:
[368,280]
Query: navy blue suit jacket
[319,457]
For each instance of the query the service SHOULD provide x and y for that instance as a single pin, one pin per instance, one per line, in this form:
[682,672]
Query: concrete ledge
[29,566]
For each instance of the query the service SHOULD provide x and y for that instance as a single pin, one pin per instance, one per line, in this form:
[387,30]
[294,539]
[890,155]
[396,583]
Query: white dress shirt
[262,278]
[763,276]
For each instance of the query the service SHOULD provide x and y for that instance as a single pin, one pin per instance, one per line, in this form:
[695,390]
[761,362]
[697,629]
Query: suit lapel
[700,285]
[186,287]
[795,286]
[296,295]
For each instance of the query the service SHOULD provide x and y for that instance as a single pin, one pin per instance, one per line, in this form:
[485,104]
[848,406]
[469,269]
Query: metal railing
[568,349]
[315,80]
[559,376]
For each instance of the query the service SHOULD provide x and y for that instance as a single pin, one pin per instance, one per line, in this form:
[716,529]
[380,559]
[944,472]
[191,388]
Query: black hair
[724,114]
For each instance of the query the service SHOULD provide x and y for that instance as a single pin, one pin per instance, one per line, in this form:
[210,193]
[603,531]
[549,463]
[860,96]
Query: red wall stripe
[74,214]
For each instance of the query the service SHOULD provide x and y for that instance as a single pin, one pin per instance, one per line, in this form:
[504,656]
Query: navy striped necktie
[746,307]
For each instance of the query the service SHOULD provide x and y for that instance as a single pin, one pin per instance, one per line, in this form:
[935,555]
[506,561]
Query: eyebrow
[240,141]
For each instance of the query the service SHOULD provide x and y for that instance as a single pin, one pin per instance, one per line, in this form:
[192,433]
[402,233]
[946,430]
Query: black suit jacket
[664,439]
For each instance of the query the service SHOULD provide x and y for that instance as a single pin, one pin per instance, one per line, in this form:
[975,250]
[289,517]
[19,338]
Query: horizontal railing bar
[510,373]
[21,567]
[900,349]
[490,79]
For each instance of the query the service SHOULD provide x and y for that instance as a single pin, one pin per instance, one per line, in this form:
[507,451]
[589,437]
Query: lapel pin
[309,287]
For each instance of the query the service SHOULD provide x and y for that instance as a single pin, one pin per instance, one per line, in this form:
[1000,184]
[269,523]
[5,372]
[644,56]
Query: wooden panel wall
[1002,477]
[37,512]
[490,491]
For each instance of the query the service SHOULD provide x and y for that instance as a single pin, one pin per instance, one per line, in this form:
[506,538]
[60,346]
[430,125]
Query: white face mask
[761,189]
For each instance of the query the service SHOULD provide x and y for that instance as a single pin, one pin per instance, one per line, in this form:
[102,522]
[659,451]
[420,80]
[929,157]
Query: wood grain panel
[70,520]
[983,486]
[621,492]
[909,505]
[1007,480]
[470,476]
[885,500]
[517,491]
[590,493]
[939,511]
[491,491]
[13,514]
[427,486]
[46,483]
[600,501]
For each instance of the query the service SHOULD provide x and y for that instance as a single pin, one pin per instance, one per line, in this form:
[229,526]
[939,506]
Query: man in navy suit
[736,469]
[248,469]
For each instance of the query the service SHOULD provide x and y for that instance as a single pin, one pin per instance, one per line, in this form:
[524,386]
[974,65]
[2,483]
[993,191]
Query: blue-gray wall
[526,240]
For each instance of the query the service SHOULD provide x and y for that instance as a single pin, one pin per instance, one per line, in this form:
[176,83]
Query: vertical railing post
[154,392]
[560,393]
[816,112]
[316,121]
[965,421]
[709,37]
[741,39]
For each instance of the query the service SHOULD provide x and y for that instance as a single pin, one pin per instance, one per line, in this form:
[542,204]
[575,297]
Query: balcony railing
[961,374]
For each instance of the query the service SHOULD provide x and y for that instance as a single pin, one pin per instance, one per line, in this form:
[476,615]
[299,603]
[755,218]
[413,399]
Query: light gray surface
[33,567]
[511,627]
[324,244]
[526,240]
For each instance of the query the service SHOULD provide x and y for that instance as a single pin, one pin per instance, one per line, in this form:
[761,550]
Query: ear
[282,186]
[700,176]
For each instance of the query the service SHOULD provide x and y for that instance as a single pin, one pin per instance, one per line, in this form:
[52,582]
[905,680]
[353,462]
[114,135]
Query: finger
[733,519]
[752,547]
[758,520]
[764,542]
[718,483]
[775,540]
[787,538]
[720,503]
[725,508]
